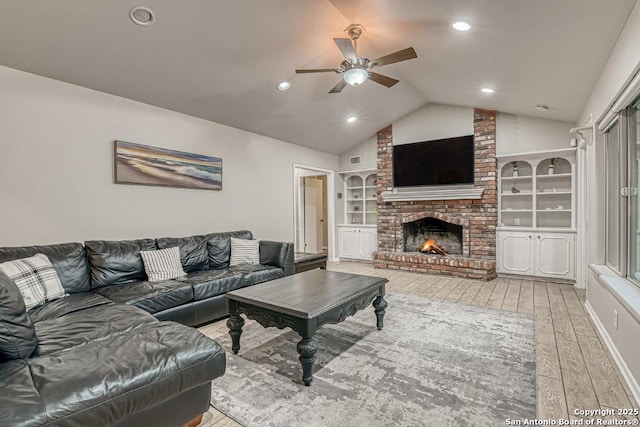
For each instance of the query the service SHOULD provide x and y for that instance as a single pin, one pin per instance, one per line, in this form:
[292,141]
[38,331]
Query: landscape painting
[144,165]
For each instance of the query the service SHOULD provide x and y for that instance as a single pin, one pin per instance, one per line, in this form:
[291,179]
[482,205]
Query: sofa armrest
[279,254]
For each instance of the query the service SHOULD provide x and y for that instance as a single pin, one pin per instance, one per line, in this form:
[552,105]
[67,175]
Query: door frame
[298,171]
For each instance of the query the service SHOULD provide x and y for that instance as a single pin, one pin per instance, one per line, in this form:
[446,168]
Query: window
[622,141]
[634,200]
[613,196]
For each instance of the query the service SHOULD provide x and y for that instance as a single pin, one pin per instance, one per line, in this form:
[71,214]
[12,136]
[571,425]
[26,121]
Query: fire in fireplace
[417,234]
[431,247]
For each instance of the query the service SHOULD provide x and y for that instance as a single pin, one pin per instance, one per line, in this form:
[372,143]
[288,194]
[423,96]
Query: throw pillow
[244,251]
[163,264]
[36,278]
[17,333]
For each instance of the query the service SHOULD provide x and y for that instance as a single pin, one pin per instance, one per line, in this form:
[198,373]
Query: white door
[313,215]
[367,242]
[555,255]
[347,239]
[515,252]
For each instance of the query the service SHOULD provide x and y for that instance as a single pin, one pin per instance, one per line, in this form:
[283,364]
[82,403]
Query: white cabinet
[555,255]
[360,203]
[516,252]
[544,254]
[357,237]
[536,214]
[357,242]
[537,190]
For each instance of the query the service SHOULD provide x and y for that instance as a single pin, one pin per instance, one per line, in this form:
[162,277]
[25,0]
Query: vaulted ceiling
[221,60]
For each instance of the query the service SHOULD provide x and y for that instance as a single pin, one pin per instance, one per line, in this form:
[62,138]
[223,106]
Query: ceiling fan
[356,70]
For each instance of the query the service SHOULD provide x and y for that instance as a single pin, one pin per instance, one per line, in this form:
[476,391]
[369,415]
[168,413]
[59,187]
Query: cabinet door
[555,255]
[367,242]
[347,239]
[515,252]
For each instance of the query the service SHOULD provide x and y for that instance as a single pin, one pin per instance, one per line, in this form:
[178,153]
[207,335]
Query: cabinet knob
[538,237]
[529,236]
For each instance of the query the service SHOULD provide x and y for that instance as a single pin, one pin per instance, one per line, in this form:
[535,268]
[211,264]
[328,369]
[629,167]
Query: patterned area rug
[434,363]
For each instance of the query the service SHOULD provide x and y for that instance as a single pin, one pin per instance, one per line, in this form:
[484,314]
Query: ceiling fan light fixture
[355,76]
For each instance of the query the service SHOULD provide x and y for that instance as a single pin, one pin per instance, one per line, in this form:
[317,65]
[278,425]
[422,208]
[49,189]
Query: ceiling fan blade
[401,55]
[338,88]
[382,79]
[317,70]
[346,47]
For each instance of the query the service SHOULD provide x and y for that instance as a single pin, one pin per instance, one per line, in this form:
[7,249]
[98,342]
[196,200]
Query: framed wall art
[145,165]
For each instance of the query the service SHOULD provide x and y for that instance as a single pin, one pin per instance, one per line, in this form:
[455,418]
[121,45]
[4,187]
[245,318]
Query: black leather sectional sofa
[105,355]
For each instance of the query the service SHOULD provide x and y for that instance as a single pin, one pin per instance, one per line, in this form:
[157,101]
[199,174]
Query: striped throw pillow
[244,251]
[163,264]
[36,278]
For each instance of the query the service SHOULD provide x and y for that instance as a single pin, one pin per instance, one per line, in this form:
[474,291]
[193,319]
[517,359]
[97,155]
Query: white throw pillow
[163,264]
[36,278]
[244,251]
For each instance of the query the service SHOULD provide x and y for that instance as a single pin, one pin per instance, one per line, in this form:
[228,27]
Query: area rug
[434,363]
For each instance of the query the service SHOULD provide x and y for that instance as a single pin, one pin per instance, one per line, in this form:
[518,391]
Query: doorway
[313,210]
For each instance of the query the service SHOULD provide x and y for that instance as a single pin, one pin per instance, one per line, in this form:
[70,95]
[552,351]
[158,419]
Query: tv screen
[446,161]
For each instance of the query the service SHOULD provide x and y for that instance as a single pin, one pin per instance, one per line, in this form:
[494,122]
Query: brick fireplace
[466,228]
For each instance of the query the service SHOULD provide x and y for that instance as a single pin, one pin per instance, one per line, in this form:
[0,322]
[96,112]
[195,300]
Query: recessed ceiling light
[541,107]
[283,85]
[351,119]
[461,26]
[487,90]
[142,16]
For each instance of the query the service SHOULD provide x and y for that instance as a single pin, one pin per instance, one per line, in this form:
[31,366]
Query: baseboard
[624,370]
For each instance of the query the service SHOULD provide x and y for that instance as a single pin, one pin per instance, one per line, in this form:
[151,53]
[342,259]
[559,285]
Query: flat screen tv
[446,161]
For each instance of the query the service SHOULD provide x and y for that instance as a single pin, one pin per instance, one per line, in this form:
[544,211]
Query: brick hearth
[477,217]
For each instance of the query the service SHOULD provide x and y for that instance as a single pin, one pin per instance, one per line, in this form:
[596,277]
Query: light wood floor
[574,368]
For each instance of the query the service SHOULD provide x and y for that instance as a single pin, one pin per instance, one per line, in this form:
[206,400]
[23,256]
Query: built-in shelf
[439,194]
[554,210]
[555,175]
[515,210]
[522,193]
[515,178]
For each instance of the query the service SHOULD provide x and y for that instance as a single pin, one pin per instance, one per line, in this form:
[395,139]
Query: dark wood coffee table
[304,302]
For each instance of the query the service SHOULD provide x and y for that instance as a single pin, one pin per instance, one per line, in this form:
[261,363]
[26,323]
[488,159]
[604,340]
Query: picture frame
[137,164]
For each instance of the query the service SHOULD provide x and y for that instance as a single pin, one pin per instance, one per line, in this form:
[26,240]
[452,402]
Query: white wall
[56,174]
[520,134]
[623,62]
[435,121]
[368,151]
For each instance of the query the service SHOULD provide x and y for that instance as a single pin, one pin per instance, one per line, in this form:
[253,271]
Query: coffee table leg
[380,305]
[307,348]
[235,322]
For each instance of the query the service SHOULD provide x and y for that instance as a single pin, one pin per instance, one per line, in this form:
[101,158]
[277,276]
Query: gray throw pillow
[17,334]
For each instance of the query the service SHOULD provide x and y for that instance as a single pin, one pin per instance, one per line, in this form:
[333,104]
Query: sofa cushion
[244,252]
[17,333]
[210,283]
[219,247]
[162,264]
[114,262]
[36,278]
[86,318]
[152,297]
[104,381]
[257,273]
[68,259]
[193,251]
[66,305]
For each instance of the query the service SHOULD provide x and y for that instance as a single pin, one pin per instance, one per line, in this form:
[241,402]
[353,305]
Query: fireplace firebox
[446,235]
